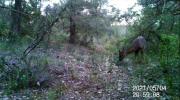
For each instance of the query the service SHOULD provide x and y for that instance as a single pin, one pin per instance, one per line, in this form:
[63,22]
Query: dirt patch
[81,78]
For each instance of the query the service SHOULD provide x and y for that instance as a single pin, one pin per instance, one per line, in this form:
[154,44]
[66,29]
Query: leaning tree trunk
[72,30]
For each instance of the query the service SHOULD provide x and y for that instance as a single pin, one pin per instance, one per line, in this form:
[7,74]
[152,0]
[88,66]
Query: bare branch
[36,42]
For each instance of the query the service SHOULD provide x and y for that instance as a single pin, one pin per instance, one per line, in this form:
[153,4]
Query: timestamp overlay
[147,91]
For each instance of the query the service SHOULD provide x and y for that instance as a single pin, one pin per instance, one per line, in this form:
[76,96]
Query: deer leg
[142,53]
[135,55]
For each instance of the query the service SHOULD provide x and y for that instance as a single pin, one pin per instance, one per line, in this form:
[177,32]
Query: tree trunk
[72,22]
[72,30]
[16,17]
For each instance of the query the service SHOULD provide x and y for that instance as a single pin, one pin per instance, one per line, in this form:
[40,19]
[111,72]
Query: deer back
[139,43]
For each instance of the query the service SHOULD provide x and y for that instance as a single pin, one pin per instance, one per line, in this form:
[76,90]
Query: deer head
[122,54]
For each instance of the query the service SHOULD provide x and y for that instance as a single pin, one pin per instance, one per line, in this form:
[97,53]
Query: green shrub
[22,75]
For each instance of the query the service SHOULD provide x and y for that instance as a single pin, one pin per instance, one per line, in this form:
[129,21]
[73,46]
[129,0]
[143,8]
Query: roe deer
[137,45]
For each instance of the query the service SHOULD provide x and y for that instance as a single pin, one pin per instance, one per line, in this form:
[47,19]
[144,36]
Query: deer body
[137,46]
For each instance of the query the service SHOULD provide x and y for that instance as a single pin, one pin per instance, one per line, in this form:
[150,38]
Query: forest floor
[78,73]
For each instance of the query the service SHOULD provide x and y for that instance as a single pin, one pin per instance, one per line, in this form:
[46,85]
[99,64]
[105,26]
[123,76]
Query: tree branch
[36,42]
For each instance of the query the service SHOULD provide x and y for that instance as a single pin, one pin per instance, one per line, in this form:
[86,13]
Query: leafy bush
[169,63]
[4,31]
[56,40]
[21,74]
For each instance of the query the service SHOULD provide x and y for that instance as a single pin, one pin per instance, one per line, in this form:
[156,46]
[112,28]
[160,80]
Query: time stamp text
[148,90]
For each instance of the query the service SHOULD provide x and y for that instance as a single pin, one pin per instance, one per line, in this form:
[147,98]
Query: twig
[6,63]
[35,43]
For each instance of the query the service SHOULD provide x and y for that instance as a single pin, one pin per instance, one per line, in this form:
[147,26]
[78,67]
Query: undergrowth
[162,67]
[73,71]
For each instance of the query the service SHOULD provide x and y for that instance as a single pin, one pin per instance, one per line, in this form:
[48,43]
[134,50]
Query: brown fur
[137,46]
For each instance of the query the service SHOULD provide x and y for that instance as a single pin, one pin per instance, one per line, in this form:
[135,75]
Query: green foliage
[23,75]
[91,22]
[165,71]
[169,61]
[4,31]
[56,40]
[18,80]
[51,95]
[79,58]
[111,47]
[59,37]
[4,46]
[161,27]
